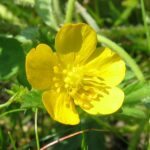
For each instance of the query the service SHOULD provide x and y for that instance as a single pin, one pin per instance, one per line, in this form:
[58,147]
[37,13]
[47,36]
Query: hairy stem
[69,11]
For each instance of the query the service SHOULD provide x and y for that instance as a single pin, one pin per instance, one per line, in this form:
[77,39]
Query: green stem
[124,31]
[124,55]
[11,111]
[8,102]
[87,16]
[12,141]
[36,131]
[69,12]
[145,24]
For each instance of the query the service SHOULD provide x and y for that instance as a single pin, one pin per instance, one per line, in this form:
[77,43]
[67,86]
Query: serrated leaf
[30,3]
[28,37]
[30,33]
[45,11]
[32,99]
[6,14]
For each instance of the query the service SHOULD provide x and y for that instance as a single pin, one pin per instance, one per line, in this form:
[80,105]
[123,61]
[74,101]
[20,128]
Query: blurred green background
[123,24]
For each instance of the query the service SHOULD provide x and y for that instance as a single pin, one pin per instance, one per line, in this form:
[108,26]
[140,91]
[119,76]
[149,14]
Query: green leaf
[133,112]
[30,33]
[25,2]
[12,60]
[32,99]
[11,55]
[132,87]
[137,93]
[45,10]
[28,37]
[6,14]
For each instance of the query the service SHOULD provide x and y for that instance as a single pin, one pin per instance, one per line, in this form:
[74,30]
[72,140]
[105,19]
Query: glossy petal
[108,65]
[39,64]
[77,41]
[60,107]
[107,104]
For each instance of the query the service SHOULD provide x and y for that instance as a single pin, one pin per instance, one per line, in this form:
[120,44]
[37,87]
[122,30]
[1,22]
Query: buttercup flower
[77,74]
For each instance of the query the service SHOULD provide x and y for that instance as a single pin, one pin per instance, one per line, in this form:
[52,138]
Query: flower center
[68,79]
[80,86]
[72,79]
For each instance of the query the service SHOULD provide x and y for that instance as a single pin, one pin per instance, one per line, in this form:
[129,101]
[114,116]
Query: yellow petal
[107,65]
[107,104]
[77,41]
[39,62]
[60,107]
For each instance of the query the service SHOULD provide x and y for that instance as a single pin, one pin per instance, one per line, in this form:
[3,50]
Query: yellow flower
[77,74]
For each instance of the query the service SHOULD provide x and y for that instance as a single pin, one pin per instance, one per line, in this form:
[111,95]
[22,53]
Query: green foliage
[45,11]
[91,138]
[134,112]
[12,141]
[130,6]
[136,135]
[12,59]
[137,93]
[32,99]
[124,25]
[6,14]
